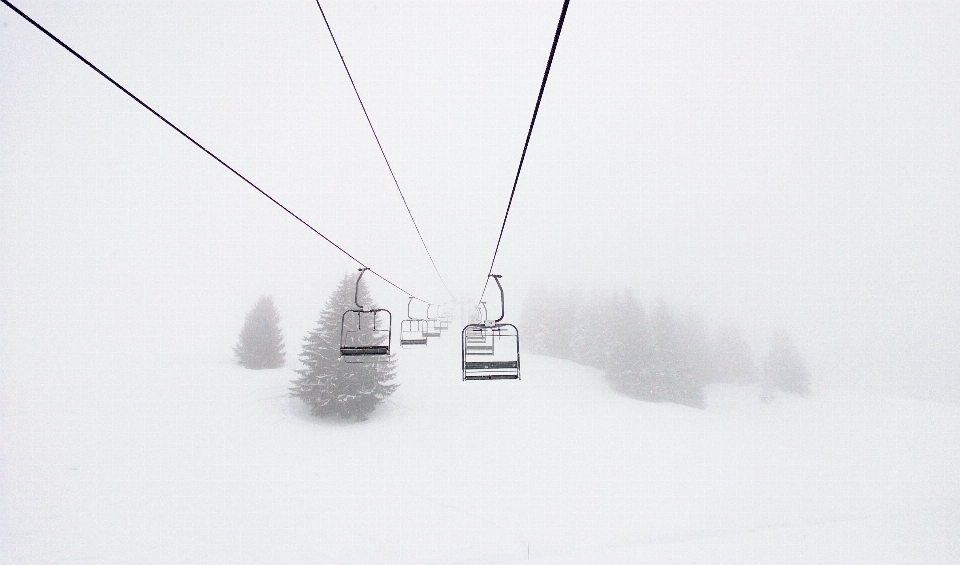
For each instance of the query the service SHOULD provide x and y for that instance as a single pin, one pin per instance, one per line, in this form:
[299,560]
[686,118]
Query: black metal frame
[419,342]
[408,323]
[481,340]
[370,353]
[433,324]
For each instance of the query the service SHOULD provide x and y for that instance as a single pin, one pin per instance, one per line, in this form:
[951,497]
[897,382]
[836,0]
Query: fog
[771,165]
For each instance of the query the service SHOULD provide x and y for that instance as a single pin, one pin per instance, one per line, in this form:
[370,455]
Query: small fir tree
[733,360]
[783,368]
[329,385]
[260,345]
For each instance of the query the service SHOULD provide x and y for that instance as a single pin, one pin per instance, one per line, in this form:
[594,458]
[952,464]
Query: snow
[775,165]
[216,464]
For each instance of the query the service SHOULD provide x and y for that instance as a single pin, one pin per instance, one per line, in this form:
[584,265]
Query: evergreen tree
[328,384]
[260,345]
[696,363]
[583,326]
[668,370]
[667,361]
[628,343]
[565,325]
[621,329]
[533,321]
[733,361]
[783,368]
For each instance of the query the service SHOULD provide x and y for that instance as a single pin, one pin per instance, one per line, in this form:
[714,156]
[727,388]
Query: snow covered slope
[215,464]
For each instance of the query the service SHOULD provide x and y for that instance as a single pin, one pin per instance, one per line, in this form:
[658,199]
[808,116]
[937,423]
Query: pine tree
[328,384]
[695,361]
[260,345]
[783,368]
[619,323]
[565,325]
[533,321]
[668,370]
[627,339]
[582,328]
[733,361]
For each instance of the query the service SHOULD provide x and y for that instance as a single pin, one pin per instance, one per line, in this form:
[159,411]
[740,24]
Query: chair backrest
[365,335]
[413,333]
[490,352]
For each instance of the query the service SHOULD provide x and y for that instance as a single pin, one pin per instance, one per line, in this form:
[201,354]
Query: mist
[750,169]
[771,165]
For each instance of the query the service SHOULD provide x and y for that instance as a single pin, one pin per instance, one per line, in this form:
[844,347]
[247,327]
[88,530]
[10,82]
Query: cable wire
[382,152]
[205,150]
[543,85]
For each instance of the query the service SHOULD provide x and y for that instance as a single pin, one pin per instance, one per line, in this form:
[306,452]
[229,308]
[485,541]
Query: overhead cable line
[382,152]
[543,85]
[205,150]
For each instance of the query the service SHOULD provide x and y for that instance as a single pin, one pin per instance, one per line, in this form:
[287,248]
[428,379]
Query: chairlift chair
[480,316]
[365,332]
[432,324]
[442,319]
[491,350]
[413,331]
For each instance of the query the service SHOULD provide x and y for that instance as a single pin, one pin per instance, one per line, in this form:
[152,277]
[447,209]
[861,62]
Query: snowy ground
[215,464]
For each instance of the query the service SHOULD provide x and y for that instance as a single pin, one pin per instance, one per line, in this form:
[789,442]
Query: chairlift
[442,318]
[365,332]
[491,350]
[413,331]
[480,315]
[433,323]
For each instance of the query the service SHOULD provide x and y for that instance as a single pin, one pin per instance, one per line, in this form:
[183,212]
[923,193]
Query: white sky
[773,164]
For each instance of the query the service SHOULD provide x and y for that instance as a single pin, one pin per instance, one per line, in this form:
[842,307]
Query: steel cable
[195,142]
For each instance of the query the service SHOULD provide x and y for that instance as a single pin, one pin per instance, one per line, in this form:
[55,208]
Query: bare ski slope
[215,464]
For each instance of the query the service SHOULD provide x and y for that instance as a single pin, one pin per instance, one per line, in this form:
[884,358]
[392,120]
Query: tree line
[656,354]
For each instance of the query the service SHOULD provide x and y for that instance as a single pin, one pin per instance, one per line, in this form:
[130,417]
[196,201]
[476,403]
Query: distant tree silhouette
[671,369]
[783,369]
[658,358]
[533,320]
[260,345]
[733,361]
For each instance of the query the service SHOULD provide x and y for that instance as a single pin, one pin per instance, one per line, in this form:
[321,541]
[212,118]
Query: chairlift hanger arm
[356,294]
[496,278]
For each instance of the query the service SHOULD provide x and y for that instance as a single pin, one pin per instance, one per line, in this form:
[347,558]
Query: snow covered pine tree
[732,358]
[261,342]
[784,369]
[328,384]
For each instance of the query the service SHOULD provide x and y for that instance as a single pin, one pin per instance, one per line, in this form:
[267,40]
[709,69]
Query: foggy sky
[774,165]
